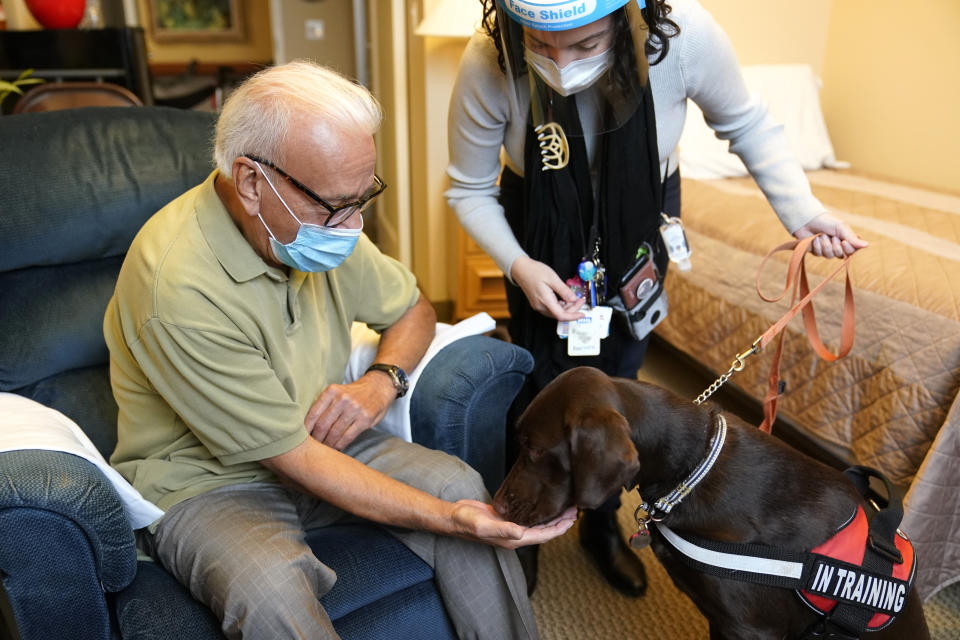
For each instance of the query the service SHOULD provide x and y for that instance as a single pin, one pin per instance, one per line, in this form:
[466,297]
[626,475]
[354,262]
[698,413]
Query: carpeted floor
[573,602]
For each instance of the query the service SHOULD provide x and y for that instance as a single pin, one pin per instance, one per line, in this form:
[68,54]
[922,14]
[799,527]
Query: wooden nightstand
[480,284]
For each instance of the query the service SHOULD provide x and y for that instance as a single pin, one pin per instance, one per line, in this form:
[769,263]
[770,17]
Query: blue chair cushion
[85,396]
[52,318]
[80,190]
[415,612]
[359,554]
[156,607]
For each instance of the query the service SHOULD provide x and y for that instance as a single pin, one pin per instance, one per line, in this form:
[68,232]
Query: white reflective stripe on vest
[733,561]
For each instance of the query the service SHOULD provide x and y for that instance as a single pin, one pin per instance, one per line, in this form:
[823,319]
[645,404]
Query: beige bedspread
[893,402]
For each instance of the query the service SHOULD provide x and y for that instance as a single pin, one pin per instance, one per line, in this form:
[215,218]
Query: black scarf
[553,212]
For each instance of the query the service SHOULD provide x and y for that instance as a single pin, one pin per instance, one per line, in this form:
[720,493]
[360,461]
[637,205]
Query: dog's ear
[602,457]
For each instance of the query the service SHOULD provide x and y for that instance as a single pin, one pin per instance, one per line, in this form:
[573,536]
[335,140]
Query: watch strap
[397,375]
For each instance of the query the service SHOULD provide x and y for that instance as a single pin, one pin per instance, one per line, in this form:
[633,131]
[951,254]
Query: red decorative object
[57,14]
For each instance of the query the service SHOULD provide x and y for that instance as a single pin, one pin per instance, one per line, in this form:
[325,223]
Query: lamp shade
[451,19]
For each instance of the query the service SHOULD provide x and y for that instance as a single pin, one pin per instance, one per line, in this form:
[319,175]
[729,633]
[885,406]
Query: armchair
[77,185]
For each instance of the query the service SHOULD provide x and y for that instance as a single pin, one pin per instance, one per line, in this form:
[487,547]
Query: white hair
[256,117]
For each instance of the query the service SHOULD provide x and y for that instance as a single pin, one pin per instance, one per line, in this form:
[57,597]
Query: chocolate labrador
[586,435]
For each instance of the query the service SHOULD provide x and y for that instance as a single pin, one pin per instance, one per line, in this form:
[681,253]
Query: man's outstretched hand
[478,521]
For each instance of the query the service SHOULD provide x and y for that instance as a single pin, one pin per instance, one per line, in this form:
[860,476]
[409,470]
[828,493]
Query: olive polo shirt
[215,356]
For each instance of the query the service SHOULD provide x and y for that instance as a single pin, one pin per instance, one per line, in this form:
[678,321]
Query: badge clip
[675,240]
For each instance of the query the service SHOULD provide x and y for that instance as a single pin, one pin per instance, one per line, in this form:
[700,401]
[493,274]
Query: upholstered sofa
[75,186]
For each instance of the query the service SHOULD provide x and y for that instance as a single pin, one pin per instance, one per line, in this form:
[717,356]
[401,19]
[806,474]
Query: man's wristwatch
[397,375]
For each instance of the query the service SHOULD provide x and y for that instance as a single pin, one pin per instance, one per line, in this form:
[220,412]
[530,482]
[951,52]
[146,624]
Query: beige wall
[389,83]
[891,94]
[434,224]
[335,49]
[433,69]
[18,16]
[775,31]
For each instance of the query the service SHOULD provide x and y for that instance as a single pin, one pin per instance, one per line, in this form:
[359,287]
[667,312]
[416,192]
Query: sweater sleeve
[479,111]
[712,76]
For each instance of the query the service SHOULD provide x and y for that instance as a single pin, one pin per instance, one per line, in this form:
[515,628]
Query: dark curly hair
[655,14]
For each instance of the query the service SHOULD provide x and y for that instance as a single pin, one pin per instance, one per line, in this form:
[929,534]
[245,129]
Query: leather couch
[75,186]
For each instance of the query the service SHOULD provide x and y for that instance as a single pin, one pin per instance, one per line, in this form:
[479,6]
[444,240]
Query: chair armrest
[73,488]
[460,402]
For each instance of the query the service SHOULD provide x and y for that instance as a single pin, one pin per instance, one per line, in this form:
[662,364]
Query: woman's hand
[841,240]
[545,291]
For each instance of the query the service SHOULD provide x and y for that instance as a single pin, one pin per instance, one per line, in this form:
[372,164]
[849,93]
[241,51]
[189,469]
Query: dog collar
[662,507]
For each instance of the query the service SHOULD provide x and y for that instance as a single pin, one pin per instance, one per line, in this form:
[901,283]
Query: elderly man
[229,333]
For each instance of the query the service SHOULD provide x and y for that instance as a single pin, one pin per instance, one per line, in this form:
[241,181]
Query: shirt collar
[225,239]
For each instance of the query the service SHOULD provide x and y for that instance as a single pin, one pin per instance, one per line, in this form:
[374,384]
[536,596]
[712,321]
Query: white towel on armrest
[365,342]
[25,424]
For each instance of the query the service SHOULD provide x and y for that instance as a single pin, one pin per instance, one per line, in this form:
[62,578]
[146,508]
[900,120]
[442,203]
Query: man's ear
[602,457]
[247,185]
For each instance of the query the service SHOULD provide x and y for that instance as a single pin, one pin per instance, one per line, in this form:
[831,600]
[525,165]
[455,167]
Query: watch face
[398,375]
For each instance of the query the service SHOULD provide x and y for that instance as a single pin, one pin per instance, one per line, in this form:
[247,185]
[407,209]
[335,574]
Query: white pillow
[791,92]
[365,342]
[25,424]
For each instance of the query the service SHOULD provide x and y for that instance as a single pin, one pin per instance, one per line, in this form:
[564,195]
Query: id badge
[584,335]
[584,339]
[604,313]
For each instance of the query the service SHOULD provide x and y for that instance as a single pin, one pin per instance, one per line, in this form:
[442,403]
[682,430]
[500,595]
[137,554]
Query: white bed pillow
[791,92]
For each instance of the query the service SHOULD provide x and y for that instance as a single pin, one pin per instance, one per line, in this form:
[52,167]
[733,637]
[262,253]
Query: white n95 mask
[573,78]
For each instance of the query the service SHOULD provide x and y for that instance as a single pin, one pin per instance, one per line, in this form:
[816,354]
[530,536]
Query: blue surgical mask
[316,248]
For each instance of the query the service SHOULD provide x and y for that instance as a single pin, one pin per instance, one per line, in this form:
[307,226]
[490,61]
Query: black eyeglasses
[338,215]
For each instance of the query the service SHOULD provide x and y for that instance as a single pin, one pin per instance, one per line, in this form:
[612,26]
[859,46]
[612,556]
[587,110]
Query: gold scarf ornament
[554,150]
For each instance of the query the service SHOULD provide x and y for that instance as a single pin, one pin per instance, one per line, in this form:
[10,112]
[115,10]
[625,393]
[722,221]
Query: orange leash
[797,284]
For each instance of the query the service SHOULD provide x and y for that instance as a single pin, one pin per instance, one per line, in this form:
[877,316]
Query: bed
[892,403]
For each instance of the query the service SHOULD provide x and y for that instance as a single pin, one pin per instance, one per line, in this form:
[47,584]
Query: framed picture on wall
[195,20]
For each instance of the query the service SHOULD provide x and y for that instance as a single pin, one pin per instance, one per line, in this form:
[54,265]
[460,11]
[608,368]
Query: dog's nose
[501,503]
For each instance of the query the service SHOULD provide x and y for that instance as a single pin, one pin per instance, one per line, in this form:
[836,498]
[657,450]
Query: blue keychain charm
[587,270]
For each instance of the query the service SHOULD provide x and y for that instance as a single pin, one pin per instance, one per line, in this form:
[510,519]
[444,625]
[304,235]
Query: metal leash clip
[736,366]
[754,348]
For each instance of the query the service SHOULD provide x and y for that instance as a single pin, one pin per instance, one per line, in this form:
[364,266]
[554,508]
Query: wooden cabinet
[480,285]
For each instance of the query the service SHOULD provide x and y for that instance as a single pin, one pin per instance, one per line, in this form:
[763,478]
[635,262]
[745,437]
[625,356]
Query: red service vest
[831,584]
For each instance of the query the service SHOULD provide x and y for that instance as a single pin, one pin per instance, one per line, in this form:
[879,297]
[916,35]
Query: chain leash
[735,367]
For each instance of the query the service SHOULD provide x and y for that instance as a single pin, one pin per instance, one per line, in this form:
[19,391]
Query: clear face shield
[592,50]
